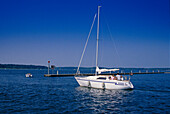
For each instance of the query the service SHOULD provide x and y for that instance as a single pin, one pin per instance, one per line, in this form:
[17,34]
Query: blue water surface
[40,94]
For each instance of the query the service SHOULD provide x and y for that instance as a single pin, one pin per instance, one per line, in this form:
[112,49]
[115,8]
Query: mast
[97,39]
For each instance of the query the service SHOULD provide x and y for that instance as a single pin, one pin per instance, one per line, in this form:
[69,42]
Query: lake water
[40,94]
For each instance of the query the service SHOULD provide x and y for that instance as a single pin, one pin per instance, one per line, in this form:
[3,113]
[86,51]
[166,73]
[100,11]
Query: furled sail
[105,70]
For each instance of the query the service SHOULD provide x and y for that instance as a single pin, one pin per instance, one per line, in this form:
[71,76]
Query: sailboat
[98,80]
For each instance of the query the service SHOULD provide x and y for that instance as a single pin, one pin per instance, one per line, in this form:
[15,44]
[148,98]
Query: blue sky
[133,33]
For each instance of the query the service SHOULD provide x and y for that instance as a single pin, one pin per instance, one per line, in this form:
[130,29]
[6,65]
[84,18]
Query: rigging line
[113,41]
[112,38]
[86,43]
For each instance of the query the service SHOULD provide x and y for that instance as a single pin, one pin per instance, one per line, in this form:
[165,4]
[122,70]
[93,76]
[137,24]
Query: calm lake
[40,94]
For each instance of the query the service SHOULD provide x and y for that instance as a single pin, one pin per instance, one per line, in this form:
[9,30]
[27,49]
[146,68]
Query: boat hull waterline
[103,84]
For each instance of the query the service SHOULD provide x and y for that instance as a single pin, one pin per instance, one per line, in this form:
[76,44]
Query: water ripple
[63,95]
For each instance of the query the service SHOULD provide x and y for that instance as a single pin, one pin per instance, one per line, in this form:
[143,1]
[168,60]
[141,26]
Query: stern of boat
[131,85]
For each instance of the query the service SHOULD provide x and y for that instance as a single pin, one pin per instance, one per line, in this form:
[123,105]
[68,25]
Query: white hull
[92,81]
[95,84]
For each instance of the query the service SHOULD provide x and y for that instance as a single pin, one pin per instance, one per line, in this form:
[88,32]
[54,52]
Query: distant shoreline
[20,66]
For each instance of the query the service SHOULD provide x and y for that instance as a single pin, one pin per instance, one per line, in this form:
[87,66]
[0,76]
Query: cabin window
[102,78]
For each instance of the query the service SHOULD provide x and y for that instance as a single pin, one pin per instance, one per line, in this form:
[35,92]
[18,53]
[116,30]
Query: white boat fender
[89,85]
[103,85]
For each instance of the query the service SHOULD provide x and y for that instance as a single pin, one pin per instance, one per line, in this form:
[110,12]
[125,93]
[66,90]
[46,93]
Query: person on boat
[121,78]
[118,76]
[115,78]
[112,77]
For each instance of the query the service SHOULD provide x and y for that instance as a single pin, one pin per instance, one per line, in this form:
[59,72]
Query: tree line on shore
[17,66]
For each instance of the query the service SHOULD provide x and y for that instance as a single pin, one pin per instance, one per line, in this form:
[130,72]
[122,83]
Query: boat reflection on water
[102,101]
